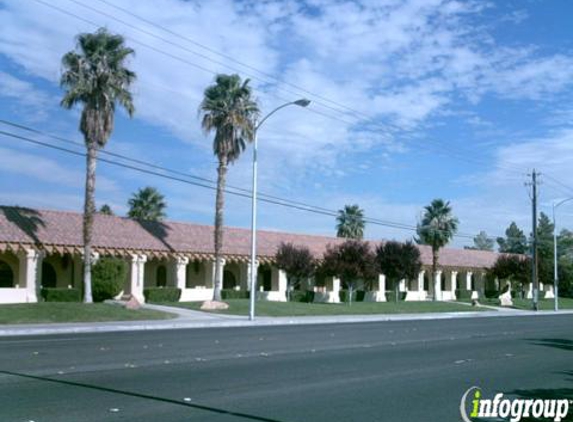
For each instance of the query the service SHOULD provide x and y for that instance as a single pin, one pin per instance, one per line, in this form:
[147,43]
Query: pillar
[249,274]
[180,272]
[137,276]
[469,281]
[421,276]
[30,269]
[453,279]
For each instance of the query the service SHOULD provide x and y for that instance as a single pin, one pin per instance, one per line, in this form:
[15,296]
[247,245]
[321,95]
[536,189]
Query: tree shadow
[143,396]
[27,220]
[157,229]
[558,343]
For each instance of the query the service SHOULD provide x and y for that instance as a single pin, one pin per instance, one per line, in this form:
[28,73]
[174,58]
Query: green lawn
[47,312]
[267,308]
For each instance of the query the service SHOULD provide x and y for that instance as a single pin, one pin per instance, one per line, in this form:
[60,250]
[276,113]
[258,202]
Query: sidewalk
[195,319]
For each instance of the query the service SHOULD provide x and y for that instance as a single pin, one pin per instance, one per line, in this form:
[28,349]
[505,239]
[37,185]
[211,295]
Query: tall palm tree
[436,229]
[229,109]
[147,204]
[350,222]
[96,78]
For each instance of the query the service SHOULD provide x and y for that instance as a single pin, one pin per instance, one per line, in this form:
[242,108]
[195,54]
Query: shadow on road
[551,393]
[144,396]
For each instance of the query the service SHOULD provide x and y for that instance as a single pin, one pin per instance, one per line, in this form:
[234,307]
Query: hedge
[391,296]
[463,294]
[357,295]
[234,294]
[162,294]
[305,296]
[492,294]
[53,294]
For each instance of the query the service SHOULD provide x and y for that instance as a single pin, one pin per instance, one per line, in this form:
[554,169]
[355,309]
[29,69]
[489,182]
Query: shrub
[462,294]
[108,278]
[305,296]
[357,295]
[391,296]
[52,294]
[234,294]
[491,294]
[162,294]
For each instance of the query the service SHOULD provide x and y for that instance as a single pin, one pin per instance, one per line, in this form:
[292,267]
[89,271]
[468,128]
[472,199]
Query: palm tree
[105,209]
[229,109]
[436,229]
[147,204]
[350,222]
[96,78]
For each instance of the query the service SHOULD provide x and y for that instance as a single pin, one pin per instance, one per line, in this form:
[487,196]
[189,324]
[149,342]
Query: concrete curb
[214,322]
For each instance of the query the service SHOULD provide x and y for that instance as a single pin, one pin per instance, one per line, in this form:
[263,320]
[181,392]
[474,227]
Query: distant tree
[565,256]
[351,261]
[482,242]
[95,76]
[436,229]
[515,268]
[147,204]
[350,222]
[398,261]
[545,261]
[105,209]
[230,110]
[515,240]
[297,262]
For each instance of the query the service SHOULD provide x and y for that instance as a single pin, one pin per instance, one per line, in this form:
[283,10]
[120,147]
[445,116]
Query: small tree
[482,242]
[513,268]
[109,276]
[105,209]
[398,261]
[351,261]
[514,241]
[297,262]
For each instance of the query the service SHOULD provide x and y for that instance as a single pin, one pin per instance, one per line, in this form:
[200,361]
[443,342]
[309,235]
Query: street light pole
[303,102]
[555,261]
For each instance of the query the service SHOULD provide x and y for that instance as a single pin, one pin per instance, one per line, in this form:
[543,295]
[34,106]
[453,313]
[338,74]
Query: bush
[162,294]
[391,296]
[108,278]
[463,294]
[52,294]
[305,296]
[491,294]
[357,295]
[234,294]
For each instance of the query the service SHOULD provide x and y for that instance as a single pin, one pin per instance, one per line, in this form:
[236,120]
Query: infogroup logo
[515,409]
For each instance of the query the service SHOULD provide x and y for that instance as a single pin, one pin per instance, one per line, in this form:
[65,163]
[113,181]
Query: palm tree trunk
[434,271]
[219,205]
[89,210]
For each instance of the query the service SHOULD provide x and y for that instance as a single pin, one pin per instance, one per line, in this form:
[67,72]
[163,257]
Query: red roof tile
[63,228]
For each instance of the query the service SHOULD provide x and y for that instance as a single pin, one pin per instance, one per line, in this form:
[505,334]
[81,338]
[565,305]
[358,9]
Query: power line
[285,203]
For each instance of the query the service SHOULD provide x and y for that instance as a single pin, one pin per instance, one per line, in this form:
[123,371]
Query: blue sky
[411,100]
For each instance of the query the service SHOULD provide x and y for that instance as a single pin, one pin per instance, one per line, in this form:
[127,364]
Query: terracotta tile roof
[62,228]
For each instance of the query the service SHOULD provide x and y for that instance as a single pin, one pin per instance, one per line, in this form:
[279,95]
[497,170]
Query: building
[40,248]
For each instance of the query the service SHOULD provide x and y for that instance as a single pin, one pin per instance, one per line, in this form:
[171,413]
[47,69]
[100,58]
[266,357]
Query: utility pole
[534,279]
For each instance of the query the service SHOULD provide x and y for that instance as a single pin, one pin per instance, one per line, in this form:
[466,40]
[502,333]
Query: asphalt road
[390,371]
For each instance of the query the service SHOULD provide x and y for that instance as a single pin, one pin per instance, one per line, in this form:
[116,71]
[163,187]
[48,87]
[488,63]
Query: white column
[279,284]
[137,276]
[469,281]
[181,272]
[402,285]
[438,285]
[30,264]
[381,293]
[421,276]
[453,282]
[335,292]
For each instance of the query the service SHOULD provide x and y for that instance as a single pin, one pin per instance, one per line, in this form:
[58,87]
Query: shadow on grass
[143,396]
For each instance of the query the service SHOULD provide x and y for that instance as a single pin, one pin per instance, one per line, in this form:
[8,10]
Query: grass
[267,308]
[49,312]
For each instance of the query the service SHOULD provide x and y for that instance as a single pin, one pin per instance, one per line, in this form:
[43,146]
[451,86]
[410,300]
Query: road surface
[388,371]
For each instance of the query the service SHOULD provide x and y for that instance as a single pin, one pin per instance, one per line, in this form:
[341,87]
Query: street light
[303,102]
[555,270]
